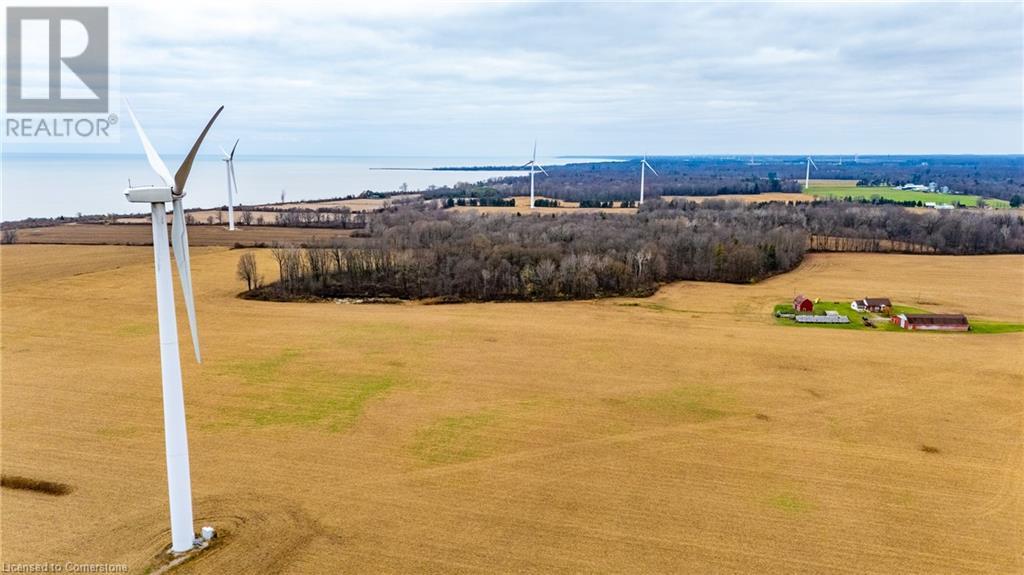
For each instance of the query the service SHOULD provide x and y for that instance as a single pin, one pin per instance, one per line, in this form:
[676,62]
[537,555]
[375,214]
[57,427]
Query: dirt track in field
[685,432]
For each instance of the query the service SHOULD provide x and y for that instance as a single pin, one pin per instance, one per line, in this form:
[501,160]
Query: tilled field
[685,432]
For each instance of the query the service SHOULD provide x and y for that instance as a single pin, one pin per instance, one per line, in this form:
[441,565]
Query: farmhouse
[932,321]
[875,304]
[801,303]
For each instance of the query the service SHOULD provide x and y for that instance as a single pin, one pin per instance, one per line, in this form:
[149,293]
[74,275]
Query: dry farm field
[747,198]
[269,212]
[685,432]
[142,234]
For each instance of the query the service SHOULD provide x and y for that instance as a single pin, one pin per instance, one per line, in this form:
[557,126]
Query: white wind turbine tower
[807,177]
[533,167]
[229,163]
[179,483]
[644,166]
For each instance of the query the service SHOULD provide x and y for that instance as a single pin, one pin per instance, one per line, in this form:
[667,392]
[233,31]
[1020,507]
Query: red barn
[800,303]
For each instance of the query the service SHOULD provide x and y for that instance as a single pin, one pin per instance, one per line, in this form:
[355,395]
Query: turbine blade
[181,176]
[813,165]
[650,168]
[233,149]
[541,169]
[179,240]
[535,150]
[526,164]
[234,181]
[225,152]
[155,162]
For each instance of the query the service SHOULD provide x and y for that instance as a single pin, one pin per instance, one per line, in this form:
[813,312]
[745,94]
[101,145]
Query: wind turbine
[807,178]
[179,483]
[533,167]
[644,166]
[229,163]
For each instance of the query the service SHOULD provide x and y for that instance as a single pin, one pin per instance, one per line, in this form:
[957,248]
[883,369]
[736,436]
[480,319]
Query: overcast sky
[485,79]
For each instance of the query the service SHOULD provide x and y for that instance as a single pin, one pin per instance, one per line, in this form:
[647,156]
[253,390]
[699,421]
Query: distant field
[354,204]
[746,198]
[198,235]
[269,215]
[841,191]
[684,432]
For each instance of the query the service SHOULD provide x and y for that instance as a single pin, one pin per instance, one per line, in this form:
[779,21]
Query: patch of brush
[36,485]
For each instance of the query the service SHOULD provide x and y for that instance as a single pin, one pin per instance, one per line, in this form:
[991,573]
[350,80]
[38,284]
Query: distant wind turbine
[179,483]
[807,178]
[229,163]
[533,167]
[643,167]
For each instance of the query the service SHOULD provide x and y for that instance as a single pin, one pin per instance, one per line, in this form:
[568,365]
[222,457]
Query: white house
[876,304]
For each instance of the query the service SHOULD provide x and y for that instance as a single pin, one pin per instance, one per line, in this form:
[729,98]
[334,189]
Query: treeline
[605,182]
[599,204]
[960,232]
[478,201]
[428,253]
[989,176]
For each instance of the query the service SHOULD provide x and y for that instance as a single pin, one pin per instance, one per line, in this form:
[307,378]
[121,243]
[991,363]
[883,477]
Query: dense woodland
[424,252]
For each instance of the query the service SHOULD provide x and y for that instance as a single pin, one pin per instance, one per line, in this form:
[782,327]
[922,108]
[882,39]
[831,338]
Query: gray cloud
[605,78]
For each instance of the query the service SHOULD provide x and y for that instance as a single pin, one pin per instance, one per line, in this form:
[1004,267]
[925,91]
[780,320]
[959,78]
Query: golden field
[685,432]
[747,198]
[215,235]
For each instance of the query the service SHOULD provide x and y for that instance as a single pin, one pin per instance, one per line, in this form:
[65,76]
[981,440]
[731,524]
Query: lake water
[50,185]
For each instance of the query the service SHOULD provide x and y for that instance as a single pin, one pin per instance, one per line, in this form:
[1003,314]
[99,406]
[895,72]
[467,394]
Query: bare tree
[248,272]
[290,264]
[10,236]
[318,262]
[641,258]
[545,276]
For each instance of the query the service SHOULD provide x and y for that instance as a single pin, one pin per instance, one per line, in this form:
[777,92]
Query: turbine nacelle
[150,194]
